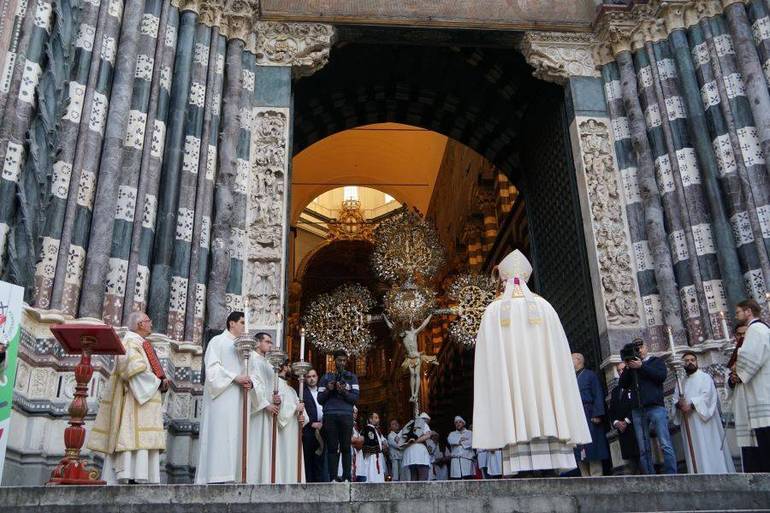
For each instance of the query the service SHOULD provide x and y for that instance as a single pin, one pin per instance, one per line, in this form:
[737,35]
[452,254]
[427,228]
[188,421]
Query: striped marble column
[138,278]
[627,164]
[673,158]
[224,200]
[69,127]
[199,252]
[243,163]
[33,195]
[77,221]
[188,184]
[13,23]
[738,208]
[110,166]
[170,175]
[18,116]
[726,253]
[133,150]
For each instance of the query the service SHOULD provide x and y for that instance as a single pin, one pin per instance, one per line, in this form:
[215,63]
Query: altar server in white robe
[413,438]
[129,424]
[219,457]
[491,463]
[394,452]
[290,416]
[462,464]
[752,371]
[700,406]
[526,398]
[263,413]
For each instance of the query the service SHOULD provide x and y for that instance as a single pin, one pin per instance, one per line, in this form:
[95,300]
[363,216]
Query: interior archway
[484,100]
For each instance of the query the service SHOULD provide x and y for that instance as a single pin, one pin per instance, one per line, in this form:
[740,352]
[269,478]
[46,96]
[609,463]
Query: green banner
[11,300]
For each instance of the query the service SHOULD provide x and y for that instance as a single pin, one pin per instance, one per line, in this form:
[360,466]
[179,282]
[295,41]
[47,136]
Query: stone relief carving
[304,46]
[266,213]
[556,56]
[617,275]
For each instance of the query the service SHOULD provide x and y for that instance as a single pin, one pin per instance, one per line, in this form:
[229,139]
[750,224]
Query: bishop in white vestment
[291,414]
[219,457]
[526,398]
[129,424]
[263,413]
[699,405]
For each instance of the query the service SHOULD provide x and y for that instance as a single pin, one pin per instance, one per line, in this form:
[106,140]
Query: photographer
[338,393]
[645,374]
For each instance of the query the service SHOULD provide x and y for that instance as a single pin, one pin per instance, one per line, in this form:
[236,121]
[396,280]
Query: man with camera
[338,392]
[645,374]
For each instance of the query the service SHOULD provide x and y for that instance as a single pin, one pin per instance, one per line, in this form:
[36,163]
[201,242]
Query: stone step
[731,493]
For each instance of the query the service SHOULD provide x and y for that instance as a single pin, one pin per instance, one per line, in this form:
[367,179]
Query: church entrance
[503,179]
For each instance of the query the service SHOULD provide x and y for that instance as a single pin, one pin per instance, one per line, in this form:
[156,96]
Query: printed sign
[11,299]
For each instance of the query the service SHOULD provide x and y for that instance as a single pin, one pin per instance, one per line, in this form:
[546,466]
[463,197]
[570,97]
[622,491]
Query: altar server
[699,405]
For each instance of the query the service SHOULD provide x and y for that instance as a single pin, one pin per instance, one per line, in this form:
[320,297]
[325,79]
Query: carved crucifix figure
[414,358]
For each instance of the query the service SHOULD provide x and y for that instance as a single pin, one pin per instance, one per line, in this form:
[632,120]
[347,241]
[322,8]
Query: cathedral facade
[147,153]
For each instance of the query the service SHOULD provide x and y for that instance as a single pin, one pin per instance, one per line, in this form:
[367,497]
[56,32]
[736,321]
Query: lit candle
[302,345]
[723,321]
[671,340]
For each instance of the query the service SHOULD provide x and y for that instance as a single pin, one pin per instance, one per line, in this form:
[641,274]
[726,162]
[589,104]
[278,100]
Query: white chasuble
[753,367]
[712,456]
[219,458]
[288,437]
[526,397]
[129,424]
[261,426]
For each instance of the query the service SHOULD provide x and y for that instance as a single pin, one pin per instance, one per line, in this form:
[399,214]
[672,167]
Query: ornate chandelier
[472,293]
[338,320]
[406,247]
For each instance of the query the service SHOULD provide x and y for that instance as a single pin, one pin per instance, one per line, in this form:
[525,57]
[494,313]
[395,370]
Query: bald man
[590,456]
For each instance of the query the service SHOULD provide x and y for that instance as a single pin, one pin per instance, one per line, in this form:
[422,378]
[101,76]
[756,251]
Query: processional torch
[245,344]
[299,369]
[676,364]
[276,357]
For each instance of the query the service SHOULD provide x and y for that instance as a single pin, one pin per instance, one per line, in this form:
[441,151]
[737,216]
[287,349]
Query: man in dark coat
[622,402]
[313,447]
[590,456]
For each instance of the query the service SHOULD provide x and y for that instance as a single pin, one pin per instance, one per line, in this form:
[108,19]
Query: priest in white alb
[219,457]
[699,405]
[263,413]
[290,467]
[129,424]
[526,398]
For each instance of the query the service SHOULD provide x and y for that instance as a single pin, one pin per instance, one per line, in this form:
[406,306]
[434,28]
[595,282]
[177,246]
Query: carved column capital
[238,18]
[615,30]
[556,56]
[303,46]
[210,12]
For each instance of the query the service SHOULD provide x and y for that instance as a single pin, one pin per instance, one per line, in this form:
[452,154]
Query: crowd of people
[339,444]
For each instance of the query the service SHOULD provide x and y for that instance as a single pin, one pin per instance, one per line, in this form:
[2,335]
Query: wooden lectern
[86,340]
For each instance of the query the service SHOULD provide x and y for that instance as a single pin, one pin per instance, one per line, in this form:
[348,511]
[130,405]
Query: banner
[11,299]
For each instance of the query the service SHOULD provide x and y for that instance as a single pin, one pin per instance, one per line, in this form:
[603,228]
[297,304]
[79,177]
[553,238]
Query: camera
[630,351]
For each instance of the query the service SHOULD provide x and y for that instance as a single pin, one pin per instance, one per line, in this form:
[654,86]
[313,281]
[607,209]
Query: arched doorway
[487,100]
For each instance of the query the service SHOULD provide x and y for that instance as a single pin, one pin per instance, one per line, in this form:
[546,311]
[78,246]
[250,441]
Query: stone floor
[737,492]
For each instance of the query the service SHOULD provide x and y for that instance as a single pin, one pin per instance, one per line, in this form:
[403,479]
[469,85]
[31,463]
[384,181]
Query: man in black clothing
[313,446]
[338,392]
[622,402]
[646,374]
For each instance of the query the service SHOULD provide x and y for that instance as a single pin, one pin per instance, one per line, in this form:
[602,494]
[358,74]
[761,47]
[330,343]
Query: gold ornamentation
[407,305]
[350,223]
[339,320]
[472,293]
[406,246]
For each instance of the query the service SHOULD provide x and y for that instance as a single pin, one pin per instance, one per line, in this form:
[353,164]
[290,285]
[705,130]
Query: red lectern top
[102,338]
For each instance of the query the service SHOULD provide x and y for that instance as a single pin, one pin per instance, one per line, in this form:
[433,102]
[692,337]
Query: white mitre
[514,271]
